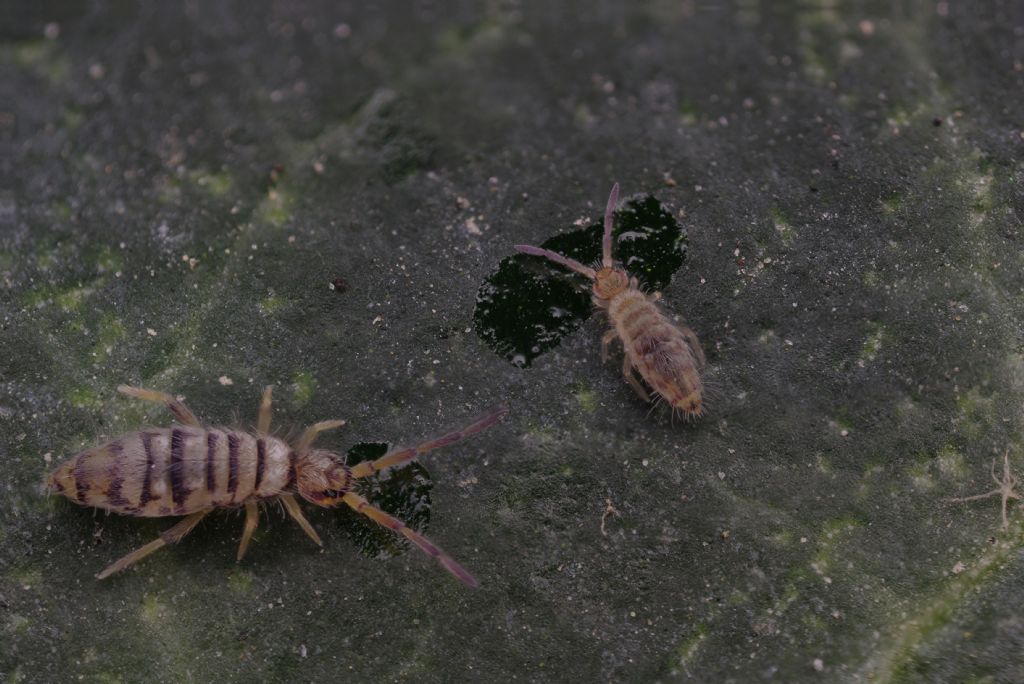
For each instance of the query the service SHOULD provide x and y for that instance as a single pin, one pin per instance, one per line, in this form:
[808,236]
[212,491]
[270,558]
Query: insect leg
[608,338]
[405,455]
[263,419]
[627,372]
[363,506]
[292,506]
[180,411]
[252,516]
[312,431]
[171,536]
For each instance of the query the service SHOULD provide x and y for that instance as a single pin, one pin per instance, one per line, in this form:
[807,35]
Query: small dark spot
[936,122]
[339,285]
[812,188]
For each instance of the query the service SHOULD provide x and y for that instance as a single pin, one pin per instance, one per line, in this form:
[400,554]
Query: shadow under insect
[526,306]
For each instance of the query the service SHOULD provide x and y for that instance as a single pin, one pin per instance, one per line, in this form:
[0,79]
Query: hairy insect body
[177,471]
[190,470]
[669,358]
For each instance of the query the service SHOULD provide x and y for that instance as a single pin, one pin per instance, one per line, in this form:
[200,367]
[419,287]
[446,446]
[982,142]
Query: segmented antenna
[606,244]
[558,259]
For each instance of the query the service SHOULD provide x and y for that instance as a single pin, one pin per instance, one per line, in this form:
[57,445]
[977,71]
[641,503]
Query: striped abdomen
[176,471]
[667,357]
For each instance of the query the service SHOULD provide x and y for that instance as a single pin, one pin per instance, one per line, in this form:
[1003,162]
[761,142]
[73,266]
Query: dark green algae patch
[529,304]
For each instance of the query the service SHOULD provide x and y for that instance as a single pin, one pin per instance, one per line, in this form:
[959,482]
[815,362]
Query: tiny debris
[462,202]
[151,332]
[819,665]
[1007,488]
[225,380]
[471,226]
[339,285]
[959,567]
[609,509]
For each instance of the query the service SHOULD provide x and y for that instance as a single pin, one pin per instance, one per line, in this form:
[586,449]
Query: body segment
[190,470]
[668,357]
[176,471]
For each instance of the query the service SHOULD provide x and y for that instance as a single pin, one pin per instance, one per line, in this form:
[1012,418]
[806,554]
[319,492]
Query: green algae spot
[304,385]
[460,40]
[84,398]
[72,118]
[823,464]
[689,114]
[152,610]
[275,209]
[891,204]
[783,227]
[240,581]
[899,656]
[920,476]
[975,411]
[842,420]
[834,533]
[871,279]
[874,342]
[70,300]
[586,397]
[42,58]
[16,624]
[109,332]
[687,650]
[108,260]
[216,184]
[951,462]
[273,304]
[61,209]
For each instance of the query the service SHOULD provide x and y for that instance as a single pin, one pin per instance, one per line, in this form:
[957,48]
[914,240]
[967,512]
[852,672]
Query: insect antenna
[558,259]
[609,212]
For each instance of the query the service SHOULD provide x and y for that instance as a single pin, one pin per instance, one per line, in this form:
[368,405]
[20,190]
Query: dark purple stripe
[211,461]
[116,475]
[261,463]
[232,462]
[147,445]
[179,490]
[81,487]
[291,471]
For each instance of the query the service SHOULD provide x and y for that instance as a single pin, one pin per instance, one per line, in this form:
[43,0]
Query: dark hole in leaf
[526,306]
[402,492]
